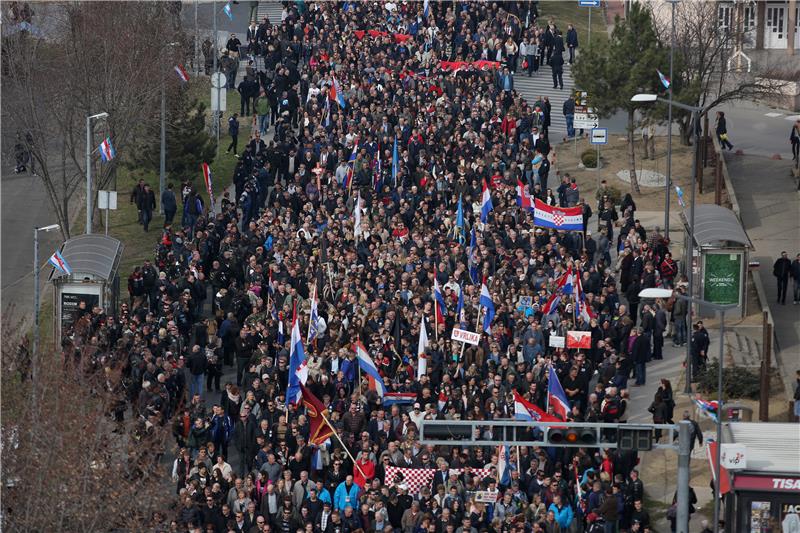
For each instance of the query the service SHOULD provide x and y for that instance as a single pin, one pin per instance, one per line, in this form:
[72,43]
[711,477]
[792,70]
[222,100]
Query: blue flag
[395,163]
[473,264]
[227,10]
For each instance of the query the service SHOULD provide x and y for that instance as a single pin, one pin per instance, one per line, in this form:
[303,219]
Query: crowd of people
[368,194]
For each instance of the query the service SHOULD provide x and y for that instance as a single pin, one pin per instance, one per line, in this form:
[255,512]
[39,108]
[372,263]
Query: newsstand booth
[761,487]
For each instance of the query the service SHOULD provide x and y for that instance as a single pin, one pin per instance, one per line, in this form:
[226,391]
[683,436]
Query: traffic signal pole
[684,453]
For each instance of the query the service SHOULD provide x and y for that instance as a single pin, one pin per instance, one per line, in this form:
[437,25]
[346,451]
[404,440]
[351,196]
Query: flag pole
[336,434]
[519,461]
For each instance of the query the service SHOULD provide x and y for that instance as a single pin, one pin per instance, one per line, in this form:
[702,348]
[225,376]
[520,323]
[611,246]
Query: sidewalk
[770,213]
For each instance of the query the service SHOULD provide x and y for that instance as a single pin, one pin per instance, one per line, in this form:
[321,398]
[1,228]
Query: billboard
[722,278]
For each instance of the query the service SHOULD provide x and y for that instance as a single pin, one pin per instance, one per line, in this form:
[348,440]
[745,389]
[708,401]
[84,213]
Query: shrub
[737,382]
[589,158]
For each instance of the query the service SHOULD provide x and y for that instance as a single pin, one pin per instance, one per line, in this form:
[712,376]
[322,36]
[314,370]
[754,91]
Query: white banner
[462,335]
[556,341]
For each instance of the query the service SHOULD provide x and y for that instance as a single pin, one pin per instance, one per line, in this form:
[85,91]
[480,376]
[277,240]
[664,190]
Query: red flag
[359,33]
[319,429]
[579,339]
[400,38]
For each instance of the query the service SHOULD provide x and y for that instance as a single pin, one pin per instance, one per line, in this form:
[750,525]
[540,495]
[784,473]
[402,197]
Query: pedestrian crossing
[541,85]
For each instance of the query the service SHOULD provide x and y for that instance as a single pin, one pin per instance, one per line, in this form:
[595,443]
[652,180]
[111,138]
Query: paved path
[770,212]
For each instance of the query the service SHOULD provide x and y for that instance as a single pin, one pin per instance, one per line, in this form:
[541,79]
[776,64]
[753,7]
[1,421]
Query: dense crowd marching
[368,195]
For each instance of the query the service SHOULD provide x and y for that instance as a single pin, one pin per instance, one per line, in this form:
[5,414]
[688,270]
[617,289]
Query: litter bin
[736,412]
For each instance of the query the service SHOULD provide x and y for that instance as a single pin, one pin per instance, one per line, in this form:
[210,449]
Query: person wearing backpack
[192,209]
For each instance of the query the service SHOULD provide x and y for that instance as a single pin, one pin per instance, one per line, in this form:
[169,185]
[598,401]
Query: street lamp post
[721,309]
[162,163]
[36,294]
[689,260]
[89,169]
[668,183]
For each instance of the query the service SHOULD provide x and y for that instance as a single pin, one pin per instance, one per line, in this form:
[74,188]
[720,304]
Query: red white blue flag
[107,152]
[524,199]
[182,74]
[563,218]
[59,263]
[556,398]
[664,80]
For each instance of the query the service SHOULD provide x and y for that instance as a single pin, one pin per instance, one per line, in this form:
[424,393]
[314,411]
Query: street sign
[589,3]
[218,80]
[223,99]
[106,199]
[599,136]
[585,121]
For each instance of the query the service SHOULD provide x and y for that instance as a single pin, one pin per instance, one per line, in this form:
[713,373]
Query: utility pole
[89,169]
[668,184]
[216,71]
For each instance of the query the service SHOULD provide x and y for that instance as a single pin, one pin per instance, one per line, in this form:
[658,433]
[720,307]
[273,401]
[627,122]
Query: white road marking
[773,114]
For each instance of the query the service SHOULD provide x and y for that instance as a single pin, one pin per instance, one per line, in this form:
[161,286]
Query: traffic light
[635,438]
[581,436]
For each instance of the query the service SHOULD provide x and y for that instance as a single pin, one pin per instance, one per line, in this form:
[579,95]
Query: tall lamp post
[669,123]
[162,166]
[689,259]
[36,294]
[721,309]
[89,169]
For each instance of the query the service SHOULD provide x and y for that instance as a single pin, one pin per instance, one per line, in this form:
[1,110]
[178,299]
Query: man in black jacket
[572,42]
[700,344]
[245,440]
[781,271]
[641,354]
[197,365]
[147,205]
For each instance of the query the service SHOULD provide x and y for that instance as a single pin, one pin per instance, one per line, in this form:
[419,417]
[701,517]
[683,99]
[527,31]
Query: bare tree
[703,50]
[85,61]
[68,463]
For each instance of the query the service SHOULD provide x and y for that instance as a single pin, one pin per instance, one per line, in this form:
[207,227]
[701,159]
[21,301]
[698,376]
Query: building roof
[93,254]
[770,447]
[714,224]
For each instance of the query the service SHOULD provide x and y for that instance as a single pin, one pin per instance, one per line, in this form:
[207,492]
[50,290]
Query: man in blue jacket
[346,494]
[563,512]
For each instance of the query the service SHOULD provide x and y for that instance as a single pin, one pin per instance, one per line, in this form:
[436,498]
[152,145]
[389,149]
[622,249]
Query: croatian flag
[59,263]
[487,303]
[556,396]
[503,466]
[564,218]
[298,368]
[426,9]
[337,94]
[182,74]
[584,310]
[441,307]
[526,411]
[709,408]
[227,10]
[313,319]
[486,203]
[462,317]
[664,80]
[561,286]
[566,281]
[399,398]
[368,366]
[281,334]
[524,199]
[107,152]
[442,399]
[351,163]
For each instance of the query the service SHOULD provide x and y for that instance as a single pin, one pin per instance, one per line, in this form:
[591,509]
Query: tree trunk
[632,156]
[685,126]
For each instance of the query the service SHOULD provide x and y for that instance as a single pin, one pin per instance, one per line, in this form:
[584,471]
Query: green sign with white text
[722,278]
